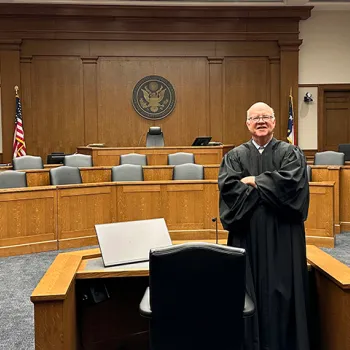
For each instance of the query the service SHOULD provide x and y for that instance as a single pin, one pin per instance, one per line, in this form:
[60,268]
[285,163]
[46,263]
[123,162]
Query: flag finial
[16,90]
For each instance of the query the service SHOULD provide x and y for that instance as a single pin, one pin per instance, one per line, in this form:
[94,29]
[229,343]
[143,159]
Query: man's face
[260,122]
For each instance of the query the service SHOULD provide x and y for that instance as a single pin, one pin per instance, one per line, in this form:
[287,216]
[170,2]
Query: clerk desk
[64,322]
[155,155]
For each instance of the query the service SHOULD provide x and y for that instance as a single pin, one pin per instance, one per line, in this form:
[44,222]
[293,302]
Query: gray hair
[260,104]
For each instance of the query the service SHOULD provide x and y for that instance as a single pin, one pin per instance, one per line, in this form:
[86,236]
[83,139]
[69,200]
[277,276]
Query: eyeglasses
[264,118]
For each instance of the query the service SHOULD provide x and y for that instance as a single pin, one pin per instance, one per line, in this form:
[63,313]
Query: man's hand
[249,180]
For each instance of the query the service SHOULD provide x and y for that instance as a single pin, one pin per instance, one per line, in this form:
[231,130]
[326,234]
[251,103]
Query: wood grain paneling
[28,219]
[246,82]
[57,112]
[77,66]
[117,78]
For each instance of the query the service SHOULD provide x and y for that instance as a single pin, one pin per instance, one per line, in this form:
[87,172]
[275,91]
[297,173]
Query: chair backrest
[65,175]
[345,148]
[155,137]
[55,158]
[188,172]
[133,158]
[12,179]
[197,297]
[127,172]
[78,160]
[27,162]
[329,158]
[309,173]
[180,158]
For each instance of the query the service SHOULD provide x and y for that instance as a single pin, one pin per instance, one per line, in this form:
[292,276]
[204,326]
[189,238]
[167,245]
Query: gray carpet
[342,248]
[19,275]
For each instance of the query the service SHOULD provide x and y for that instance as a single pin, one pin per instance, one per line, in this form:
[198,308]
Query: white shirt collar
[258,146]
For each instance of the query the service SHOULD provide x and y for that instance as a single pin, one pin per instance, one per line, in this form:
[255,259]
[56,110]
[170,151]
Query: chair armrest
[145,307]
[249,307]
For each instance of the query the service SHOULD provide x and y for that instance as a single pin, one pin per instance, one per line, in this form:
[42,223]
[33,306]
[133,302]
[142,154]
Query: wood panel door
[336,119]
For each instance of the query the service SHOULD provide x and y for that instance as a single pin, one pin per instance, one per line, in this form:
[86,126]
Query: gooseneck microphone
[216,230]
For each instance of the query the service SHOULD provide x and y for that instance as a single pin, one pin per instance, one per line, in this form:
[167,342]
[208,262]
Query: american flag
[19,145]
[290,131]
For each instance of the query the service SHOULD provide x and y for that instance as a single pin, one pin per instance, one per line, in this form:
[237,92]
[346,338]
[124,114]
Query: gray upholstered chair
[197,297]
[309,173]
[180,158]
[65,175]
[78,160]
[27,162]
[127,172]
[329,158]
[13,179]
[133,158]
[155,137]
[345,148]
[188,172]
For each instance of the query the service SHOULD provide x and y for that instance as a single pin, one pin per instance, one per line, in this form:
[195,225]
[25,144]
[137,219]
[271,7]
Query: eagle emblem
[153,97]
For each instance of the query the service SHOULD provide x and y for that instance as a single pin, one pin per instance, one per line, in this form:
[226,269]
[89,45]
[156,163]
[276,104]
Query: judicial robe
[268,221]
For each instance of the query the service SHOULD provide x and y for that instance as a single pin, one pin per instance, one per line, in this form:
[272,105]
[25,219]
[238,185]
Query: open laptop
[130,242]
[201,141]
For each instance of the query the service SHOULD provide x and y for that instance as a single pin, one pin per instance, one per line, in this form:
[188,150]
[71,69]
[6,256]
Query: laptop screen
[130,242]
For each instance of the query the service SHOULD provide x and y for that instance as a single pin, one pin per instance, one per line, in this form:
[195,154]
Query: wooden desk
[332,298]
[44,218]
[155,155]
[41,177]
[58,321]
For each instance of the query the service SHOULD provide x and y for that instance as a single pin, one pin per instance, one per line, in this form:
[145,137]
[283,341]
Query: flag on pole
[290,132]
[19,145]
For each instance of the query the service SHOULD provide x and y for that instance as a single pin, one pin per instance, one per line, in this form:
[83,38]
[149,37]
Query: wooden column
[289,72]
[10,77]
[275,91]
[216,103]
[90,99]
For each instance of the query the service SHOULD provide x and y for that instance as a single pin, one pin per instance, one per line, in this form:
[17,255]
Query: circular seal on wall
[153,97]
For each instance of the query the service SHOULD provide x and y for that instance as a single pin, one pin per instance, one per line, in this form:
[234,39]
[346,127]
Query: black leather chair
[27,162]
[197,297]
[55,158]
[329,158]
[78,160]
[12,179]
[188,172]
[127,172]
[133,158]
[65,175]
[345,148]
[155,137]
[180,158]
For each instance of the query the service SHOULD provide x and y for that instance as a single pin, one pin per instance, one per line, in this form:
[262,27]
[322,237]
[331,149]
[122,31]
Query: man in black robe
[264,200]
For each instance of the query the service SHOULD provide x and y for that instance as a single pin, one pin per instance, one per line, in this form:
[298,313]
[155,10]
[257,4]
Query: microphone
[216,230]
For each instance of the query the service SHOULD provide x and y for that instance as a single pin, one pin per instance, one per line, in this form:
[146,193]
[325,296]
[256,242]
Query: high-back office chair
[155,137]
[127,172]
[197,297]
[345,148]
[309,173]
[55,158]
[188,172]
[65,175]
[13,179]
[133,158]
[78,160]
[27,162]
[180,158]
[329,158]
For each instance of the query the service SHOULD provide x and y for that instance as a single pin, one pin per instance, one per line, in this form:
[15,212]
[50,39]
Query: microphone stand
[216,230]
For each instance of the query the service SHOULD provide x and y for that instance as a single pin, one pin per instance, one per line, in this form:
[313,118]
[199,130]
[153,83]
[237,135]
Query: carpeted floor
[19,275]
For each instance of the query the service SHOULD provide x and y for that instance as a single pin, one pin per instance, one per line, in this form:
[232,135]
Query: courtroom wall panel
[76,67]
